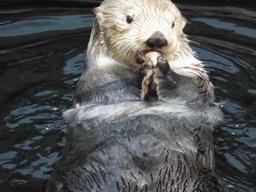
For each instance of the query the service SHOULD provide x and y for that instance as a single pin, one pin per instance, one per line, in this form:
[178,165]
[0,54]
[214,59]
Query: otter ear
[184,21]
[97,12]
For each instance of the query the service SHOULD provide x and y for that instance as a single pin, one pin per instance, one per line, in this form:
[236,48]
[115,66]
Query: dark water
[42,53]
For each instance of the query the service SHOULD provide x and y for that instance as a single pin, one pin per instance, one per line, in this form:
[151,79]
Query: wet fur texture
[118,142]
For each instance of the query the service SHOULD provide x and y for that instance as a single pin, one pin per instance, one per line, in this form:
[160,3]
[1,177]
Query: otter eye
[129,19]
[173,24]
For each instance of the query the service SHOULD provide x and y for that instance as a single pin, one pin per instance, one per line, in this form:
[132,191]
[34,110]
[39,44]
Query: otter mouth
[146,55]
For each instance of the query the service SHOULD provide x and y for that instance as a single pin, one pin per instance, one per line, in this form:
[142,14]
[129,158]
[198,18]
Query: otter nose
[156,40]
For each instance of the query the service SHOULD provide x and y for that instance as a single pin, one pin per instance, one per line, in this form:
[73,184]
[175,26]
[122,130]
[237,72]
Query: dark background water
[42,57]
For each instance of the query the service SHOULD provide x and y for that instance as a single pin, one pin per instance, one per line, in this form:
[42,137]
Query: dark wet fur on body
[116,142]
[120,139]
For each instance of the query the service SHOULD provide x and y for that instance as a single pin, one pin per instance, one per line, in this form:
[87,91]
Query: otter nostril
[156,40]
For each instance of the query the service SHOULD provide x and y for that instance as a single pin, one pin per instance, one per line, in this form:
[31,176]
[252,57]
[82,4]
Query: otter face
[133,28]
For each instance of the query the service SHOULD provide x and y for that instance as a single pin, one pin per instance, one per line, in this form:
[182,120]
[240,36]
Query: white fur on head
[126,40]
[123,26]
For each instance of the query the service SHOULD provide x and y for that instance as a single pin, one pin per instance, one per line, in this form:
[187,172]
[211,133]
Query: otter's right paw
[148,70]
[149,86]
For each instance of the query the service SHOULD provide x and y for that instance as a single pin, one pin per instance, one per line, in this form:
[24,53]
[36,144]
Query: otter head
[132,28]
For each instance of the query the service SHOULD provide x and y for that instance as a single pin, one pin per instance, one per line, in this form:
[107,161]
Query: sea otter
[144,107]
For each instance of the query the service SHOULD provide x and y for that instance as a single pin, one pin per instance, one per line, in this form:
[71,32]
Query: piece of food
[153,55]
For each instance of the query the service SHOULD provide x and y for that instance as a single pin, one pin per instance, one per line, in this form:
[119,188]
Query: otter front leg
[149,85]
[153,63]
[158,61]
[163,65]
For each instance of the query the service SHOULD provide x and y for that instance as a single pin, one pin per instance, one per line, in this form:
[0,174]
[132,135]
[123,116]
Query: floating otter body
[144,108]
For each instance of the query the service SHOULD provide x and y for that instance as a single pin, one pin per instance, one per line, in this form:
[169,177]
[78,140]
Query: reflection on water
[42,57]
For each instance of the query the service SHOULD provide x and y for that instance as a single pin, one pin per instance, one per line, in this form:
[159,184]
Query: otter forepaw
[154,60]
[149,86]
[163,64]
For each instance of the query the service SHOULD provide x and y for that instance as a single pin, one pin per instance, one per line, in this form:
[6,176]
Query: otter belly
[138,146]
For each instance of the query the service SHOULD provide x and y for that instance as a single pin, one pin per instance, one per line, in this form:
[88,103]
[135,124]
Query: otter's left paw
[163,64]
